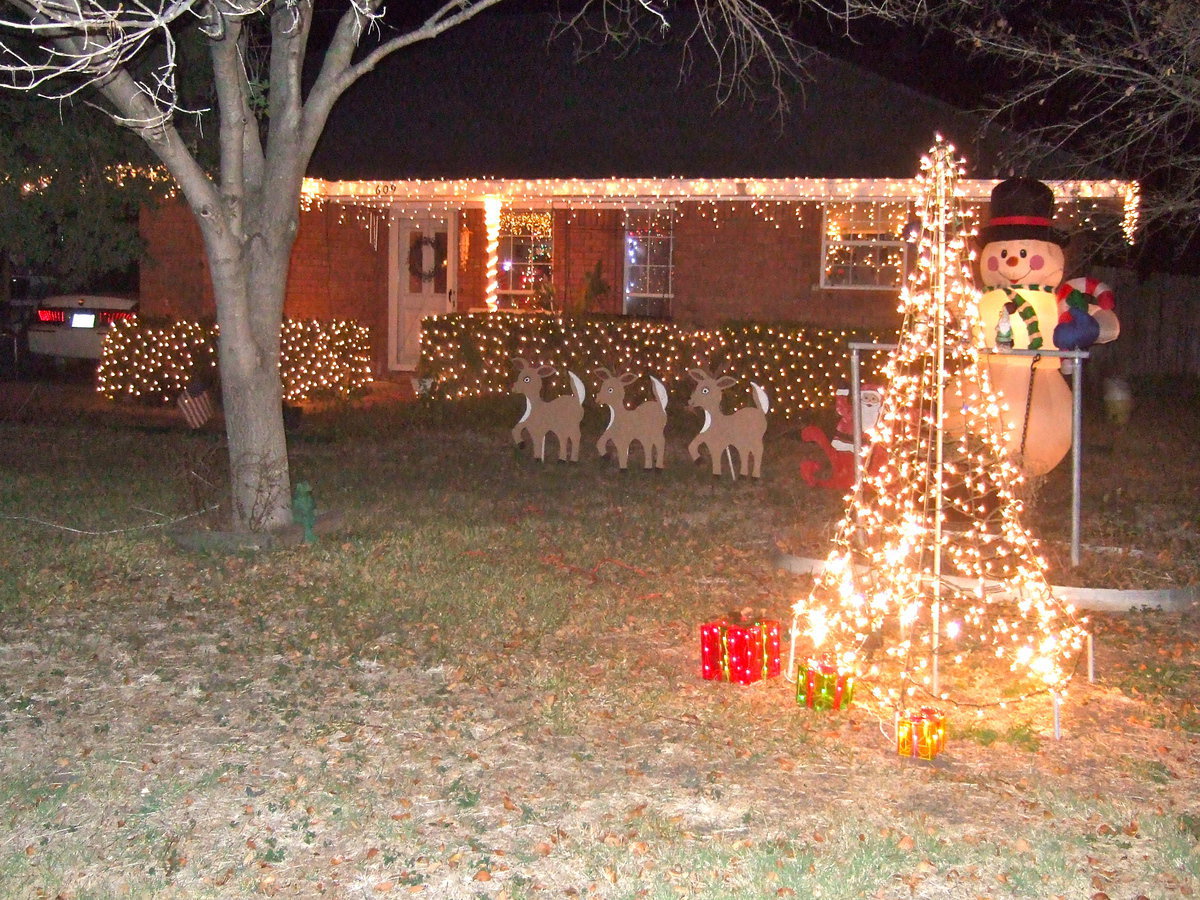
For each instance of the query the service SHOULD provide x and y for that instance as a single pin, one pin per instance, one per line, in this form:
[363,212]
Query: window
[526,252]
[648,263]
[863,245]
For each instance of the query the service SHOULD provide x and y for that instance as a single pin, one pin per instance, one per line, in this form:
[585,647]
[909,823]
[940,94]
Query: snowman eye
[1004,254]
[1024,253]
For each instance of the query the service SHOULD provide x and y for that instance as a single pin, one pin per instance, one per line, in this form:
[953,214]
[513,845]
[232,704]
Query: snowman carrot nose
[1012,260]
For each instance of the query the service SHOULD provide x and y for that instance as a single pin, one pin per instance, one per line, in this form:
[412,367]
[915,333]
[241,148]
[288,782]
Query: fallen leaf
[384,886]
[906,843]
[483,875]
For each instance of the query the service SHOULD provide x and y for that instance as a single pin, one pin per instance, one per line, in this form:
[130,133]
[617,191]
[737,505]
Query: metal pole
[856,410]
[1076,455]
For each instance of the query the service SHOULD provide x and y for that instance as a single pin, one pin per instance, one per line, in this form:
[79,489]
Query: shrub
[467,354]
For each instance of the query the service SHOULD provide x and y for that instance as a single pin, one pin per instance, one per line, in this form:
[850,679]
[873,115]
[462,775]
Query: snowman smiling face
[1005,263]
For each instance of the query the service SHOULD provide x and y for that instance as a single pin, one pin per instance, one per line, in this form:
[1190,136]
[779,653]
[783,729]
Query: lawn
[482,681]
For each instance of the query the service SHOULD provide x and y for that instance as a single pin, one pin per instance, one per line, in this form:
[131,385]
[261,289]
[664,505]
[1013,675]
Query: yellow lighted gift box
[922,735]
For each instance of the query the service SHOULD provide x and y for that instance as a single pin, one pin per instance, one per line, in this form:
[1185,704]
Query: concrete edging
[1094,599]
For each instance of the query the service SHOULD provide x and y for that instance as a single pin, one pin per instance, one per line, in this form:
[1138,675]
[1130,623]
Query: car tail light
[108,316]
[51,315]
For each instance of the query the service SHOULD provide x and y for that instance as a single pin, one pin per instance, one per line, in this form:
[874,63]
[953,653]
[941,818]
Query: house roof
[491,109]
[492,99]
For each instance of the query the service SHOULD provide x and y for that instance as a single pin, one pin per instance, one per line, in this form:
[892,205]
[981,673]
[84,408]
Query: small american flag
[196,406]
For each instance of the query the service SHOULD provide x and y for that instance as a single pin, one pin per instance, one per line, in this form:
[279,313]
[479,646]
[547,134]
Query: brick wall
[339,271]
[581,240]
[472,260]
[336,272]
[730,264]
[173,280]
[735,263]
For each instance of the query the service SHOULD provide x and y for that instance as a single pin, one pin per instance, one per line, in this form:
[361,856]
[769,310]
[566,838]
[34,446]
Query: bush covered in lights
[467,355]
[317,359]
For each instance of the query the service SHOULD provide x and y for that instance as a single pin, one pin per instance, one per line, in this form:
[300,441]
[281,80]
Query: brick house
[824,252]
[396,226]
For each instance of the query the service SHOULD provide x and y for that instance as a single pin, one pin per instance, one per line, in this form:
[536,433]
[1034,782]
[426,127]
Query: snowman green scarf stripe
[1025,310]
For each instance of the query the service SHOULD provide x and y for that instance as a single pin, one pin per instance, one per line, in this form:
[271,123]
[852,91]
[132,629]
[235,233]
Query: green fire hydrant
[304,511]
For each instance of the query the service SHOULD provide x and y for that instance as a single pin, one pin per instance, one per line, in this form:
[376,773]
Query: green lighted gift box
[819,685]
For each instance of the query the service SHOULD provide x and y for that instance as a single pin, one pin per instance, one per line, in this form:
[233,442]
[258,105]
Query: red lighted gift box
[819,685]
[921,735]
[740,653]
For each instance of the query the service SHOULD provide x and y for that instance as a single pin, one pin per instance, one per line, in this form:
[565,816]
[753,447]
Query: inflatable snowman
[1026,306]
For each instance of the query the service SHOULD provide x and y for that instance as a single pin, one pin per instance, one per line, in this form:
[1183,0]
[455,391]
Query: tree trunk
[249,282]
[258,465]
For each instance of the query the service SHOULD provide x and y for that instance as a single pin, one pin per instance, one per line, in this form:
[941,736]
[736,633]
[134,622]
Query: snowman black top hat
[1022,210]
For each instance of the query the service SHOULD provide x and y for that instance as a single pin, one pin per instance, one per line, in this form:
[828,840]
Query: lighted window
[649,266]
[863,245]
[526,255]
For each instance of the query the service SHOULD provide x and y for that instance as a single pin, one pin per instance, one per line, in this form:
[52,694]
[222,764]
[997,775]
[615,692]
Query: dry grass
[484,685]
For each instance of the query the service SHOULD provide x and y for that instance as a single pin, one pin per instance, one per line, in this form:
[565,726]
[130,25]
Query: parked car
[73,326]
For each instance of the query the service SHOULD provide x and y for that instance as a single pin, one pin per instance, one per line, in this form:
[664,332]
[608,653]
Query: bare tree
[1116,83]
[1112,84]
[248,209]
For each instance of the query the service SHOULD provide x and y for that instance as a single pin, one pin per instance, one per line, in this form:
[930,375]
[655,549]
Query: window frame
[518,298]
[877,243]
[651,219]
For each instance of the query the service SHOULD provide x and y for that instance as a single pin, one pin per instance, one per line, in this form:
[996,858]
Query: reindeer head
[612,387]
[529,378]
[707,395]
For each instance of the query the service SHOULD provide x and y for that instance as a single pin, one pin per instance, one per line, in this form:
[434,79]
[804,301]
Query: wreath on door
[416,258]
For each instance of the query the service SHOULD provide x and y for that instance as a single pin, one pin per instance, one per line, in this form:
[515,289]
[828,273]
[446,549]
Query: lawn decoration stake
[840,450]
[723,433]
[1025,308]
[560,416]
[930,567]
[645,423]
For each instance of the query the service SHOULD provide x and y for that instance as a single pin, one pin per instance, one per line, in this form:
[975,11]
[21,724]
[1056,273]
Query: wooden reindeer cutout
[560,416]
[742,430]
[645,423]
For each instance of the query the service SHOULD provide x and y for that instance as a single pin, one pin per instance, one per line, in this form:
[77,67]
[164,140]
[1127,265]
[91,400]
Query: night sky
[491,99]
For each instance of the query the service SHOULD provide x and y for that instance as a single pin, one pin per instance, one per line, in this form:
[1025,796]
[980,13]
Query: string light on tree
[930,563]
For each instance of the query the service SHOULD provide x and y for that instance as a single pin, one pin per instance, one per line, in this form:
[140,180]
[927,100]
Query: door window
[427,261]
[649,263]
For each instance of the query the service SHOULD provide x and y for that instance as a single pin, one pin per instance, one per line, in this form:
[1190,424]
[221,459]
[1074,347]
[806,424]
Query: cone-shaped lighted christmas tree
[933,589]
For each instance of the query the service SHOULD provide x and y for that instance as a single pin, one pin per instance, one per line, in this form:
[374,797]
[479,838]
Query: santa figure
[1026,306]
[839,450]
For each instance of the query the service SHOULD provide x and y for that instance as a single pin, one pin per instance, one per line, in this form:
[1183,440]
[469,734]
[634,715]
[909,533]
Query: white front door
[422,253]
